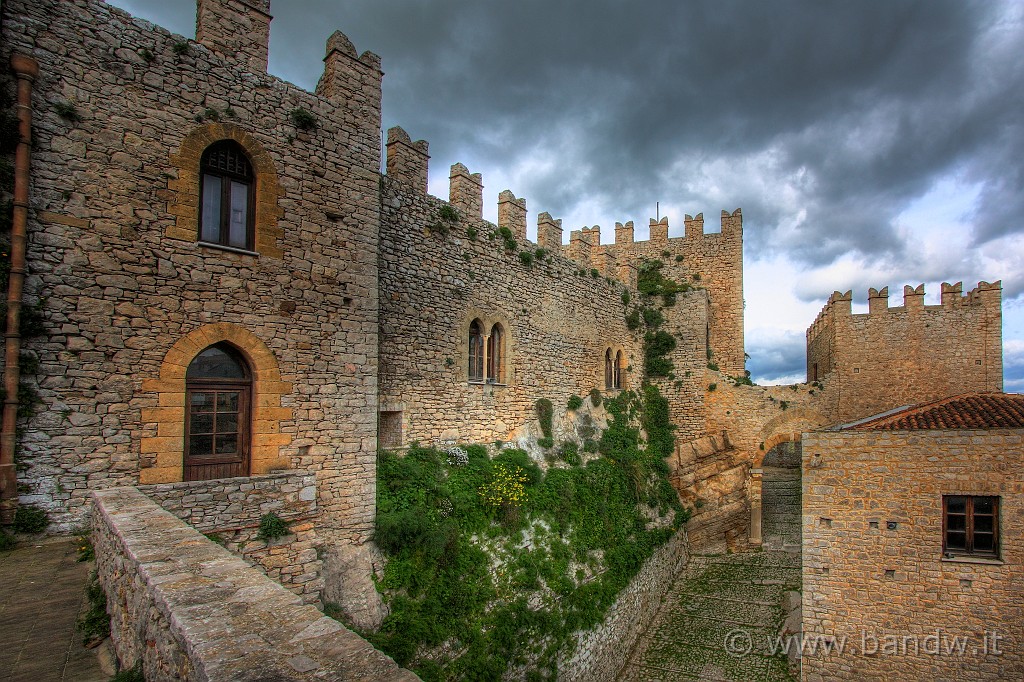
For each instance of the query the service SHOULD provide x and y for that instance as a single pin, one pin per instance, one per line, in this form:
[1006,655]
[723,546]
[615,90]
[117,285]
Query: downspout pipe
[26,70]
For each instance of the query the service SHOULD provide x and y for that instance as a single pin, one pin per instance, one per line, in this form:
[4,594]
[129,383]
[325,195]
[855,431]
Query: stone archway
[162,452]
[786,428]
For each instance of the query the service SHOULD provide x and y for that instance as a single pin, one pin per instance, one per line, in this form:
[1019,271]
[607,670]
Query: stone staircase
[780,509]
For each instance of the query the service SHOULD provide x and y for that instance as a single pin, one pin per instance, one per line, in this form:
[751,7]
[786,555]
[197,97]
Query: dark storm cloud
[872,100]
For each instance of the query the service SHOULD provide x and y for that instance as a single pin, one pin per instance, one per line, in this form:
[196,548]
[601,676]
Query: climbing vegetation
[494,563]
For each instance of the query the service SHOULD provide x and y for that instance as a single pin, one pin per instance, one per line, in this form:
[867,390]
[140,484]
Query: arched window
[608,375]
[218,397]
[496,356]
[227,196]
[619,360]
[476,351]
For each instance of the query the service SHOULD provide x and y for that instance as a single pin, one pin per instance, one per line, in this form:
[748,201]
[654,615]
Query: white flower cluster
[445,508]
[457,457]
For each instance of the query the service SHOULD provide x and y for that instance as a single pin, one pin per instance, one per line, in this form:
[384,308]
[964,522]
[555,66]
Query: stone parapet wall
[601,653]
[229,511]
[189,610]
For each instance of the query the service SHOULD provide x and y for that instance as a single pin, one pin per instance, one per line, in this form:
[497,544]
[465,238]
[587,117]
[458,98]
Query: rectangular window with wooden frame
[970,526]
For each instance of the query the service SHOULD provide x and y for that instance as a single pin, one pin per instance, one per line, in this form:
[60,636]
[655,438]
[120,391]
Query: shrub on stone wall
[467,600]
[272,527]
[545,414]
[656,346]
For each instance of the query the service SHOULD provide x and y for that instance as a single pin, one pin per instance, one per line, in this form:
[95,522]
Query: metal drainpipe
[25,69]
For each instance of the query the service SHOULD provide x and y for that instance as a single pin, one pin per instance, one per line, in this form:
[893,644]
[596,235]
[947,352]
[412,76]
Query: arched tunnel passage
[781,496]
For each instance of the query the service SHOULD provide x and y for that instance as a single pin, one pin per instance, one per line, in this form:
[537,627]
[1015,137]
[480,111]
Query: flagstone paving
[42,592]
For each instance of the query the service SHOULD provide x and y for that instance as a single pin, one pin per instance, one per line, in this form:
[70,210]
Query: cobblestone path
[729,601]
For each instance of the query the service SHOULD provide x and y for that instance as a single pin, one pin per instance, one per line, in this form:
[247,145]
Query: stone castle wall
[713,261]
[903,355]
[560,318]
[863,579]
[128,294]
[558,322]
[684,388]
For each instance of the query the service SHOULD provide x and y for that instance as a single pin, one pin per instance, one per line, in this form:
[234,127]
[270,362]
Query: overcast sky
[869,143]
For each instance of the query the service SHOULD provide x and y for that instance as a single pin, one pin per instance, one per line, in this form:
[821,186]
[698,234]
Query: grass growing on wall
[493,563]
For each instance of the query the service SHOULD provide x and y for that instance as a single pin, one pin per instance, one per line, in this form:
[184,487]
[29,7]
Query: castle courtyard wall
[183,608]
[874,571]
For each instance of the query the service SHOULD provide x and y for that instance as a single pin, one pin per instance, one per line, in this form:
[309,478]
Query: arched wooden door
[218,422]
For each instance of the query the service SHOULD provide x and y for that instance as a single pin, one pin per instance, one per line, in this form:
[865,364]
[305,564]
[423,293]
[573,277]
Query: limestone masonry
[239,309]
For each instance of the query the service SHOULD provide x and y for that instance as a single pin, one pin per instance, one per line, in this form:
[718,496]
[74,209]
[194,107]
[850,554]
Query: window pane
[954,522]
[201,402]
[227,401]
[200,445]
[957,505]
[476,353]
[984,542]
[210,228]
[956,540]
[227,443]
[982,524]
[201,423]
[227,423]
[215,363]
[239,218]
[983,505]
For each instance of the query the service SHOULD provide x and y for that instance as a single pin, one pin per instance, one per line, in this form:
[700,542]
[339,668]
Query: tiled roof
[965,411]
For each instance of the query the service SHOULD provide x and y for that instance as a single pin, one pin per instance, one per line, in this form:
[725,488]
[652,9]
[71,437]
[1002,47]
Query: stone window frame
[184,190]
[970,552]
[487,322]
[495,348]
[228,177]
[162,455]
[613,352]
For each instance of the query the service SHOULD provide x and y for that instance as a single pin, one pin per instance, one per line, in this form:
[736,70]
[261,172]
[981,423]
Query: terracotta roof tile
[965,411]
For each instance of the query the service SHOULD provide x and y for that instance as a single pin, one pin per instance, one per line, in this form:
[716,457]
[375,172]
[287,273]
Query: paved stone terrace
[42,591]
[716,596]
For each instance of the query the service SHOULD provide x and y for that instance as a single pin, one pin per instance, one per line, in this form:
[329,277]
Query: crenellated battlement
[407,160]
[712,259]
[512,214]
[946,348]
[237,31]
[841,304]
[466,191]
